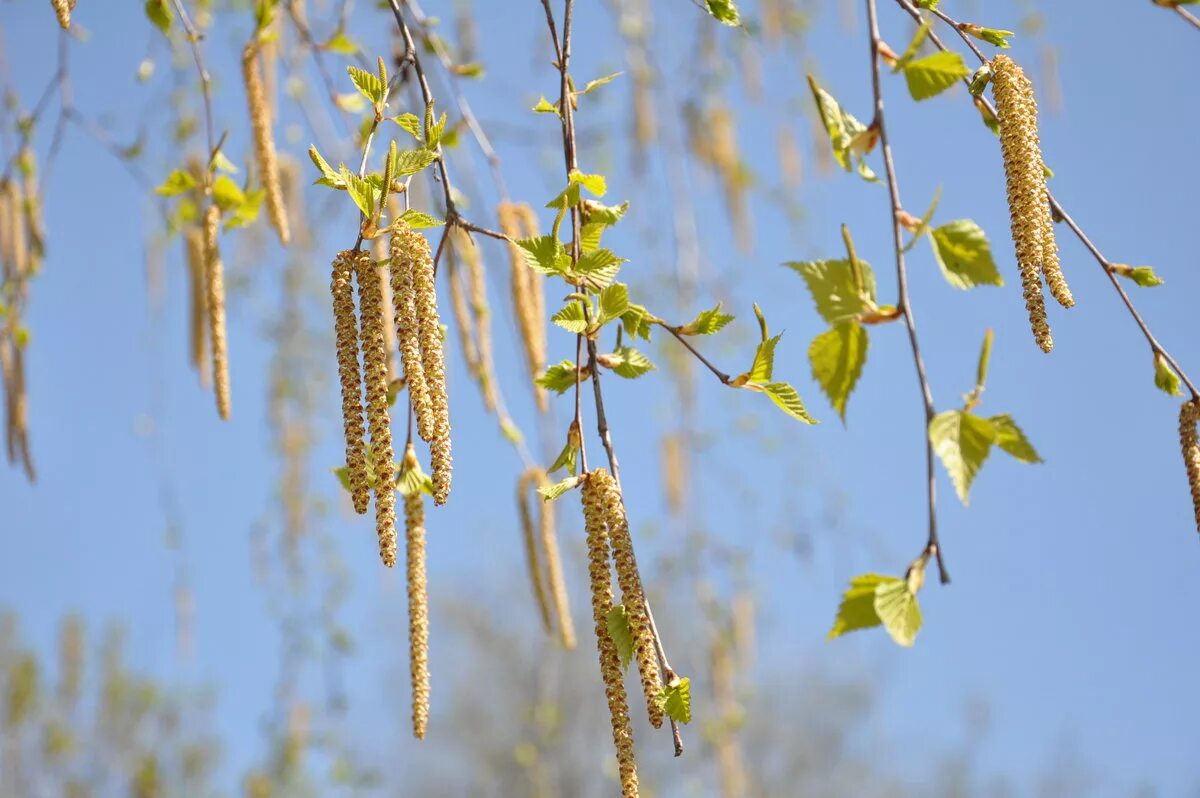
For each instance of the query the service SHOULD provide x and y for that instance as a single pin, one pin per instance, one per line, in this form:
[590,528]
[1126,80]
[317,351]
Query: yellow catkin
[382,257]
[63,9]
[433,362]
[1189,414]
[407,247]
[528,536]
[418,611]
[463,321]
[346,333]
[554,570]
[472,257]
[264,141]
[214,281]
[674,473]
[1025,183]
[375,377]
[1051,265]
[600,482]
[519,221]
[610,664]
[197,305]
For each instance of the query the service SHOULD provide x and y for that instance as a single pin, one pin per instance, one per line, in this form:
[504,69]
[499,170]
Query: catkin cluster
[529,304]
[341,285]
[418,330]
[1028,198]
[379,420]
[63,9]
[475,329]
[551,589]
[1189,415]
[596,523]
[264,140]
[214,282]
[605,490]
[418,610]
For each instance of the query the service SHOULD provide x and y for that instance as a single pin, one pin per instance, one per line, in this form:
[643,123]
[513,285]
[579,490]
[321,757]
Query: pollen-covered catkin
[197,305]
[408,247]
[530,539]
[264,141]
[433,362]
[1051,265]
[418,610]
[63,9]
[519,221]
[554,571]
[1026,186]
[480,312]
[600,573]
[375,377]
[1189,415]
[214,281]
[346,333]
[463,321]
[632,594]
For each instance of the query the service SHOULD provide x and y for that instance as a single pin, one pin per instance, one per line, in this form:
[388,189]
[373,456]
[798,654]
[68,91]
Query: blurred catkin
[197,305]
[519,221]
[214,280]
[528,536]
[418,610]
[63,9]
[633,596]
[375,376]
[264,140]
[1189,415]
[594,519]
[554,570]
[346,334]
[461,241]
[1025,180]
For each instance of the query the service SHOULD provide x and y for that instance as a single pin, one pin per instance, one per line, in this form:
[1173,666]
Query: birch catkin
[197,305]
[346,333]
[554,571]
[1189,415]
[480,312]
[610,662]
[418,611]
[214,280]
[529,538]
[264,141]
[407,247]
[632,593]
[63,9]
[1026,185]
[519,221]
[375,376]
[433,364]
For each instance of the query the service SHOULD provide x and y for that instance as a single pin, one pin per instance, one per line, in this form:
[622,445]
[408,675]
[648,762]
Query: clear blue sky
[1073,605]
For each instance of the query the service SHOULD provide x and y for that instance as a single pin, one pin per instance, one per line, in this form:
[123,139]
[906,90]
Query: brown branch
[903,303]
[1107,265]
[194,37]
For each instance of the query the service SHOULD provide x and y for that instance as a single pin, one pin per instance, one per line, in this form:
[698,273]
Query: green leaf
[571,318]
[706,323]
[837,356]
[637,322]
[1165,377]
[764,360]
[724,11]
[614,301]
[962,251]
[544,106]
[340,43]
[1012,440]
[558,377]
[677,695]
[368,84]
[842,128]
[329,177]
[993,36]
[788,400]
[980,80]
[595,184]
[551,492]
[411,479]
[628,362]
[914,46]
[227,194]
[598,82]
[410,162]
[831,283]
[962,441]
[220,163]
[177,182]
[857,609]
[245,213]
[598,267]
[361,191]
[598,213]
[419,220]
[159,12]
[620,633]
[1141,275]
[930,76]
[545,255]
[923,225]
[896,606]
[567,459]
[410,123]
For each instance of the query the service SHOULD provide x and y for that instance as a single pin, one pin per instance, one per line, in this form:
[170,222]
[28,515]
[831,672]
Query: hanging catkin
[463,320]
[610,663]
[63,9]
[554,571]
[264,140]
[481,315]
[197,305]
[1189,415]
[601,483]
[433,364]
[346,333]
[418,610]
[214,281]
[528,536]
[375,376]
[1026,186]
[407,247]
[519,221]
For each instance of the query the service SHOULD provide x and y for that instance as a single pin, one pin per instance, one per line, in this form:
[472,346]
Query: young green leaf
[896,606]
[637,322]
[598,268]
[930,76]
[706,322]
[787,399]
[837,357]
[677,697]
[559,377]
[831,283]
[962,251]
[627,362]
[159,13]
[1141,275]
[551,492]
[361,191]
[545,255]
[571,318]
[857,609]
[962,441]
[368,84]
[544,106]
[595,184]
[410,480]
[614,301]
[842,128]
[914,46]
[341,43]
[177,182]
[329,177]
[567,459]
[1012,440]
[410,162]
[764,360]
[724,11]
[621,633]
[227,194]
[591,85]
[926,218]
[1165,377]
[993,36]
[419,220]
[410,123]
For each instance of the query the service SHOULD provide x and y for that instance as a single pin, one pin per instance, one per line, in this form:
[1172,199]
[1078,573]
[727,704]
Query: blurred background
[191,607]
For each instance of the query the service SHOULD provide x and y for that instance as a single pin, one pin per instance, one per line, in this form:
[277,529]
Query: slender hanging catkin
[465,248]
[214,280]
[600,573]
[197,305]
[264,140]
[433,364]
[519,221]
[375,376]
[418,610]
[63,9]
[1189,415]
[1026,186]
[346,332]
[463,320]
[407,247]
[554,570]
[531,554]
[600,482]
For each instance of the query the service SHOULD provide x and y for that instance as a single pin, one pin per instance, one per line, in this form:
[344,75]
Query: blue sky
[1072,609]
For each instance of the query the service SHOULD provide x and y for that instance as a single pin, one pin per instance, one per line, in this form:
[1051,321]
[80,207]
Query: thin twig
[193,36]
[1187,15]
[903,304]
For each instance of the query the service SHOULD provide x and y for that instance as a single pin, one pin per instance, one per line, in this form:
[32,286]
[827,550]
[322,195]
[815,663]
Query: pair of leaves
[963,440]
[849,138]
[761,374]
[964,255]
[613,303]
[706,322]
[547,255]
[874,600]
